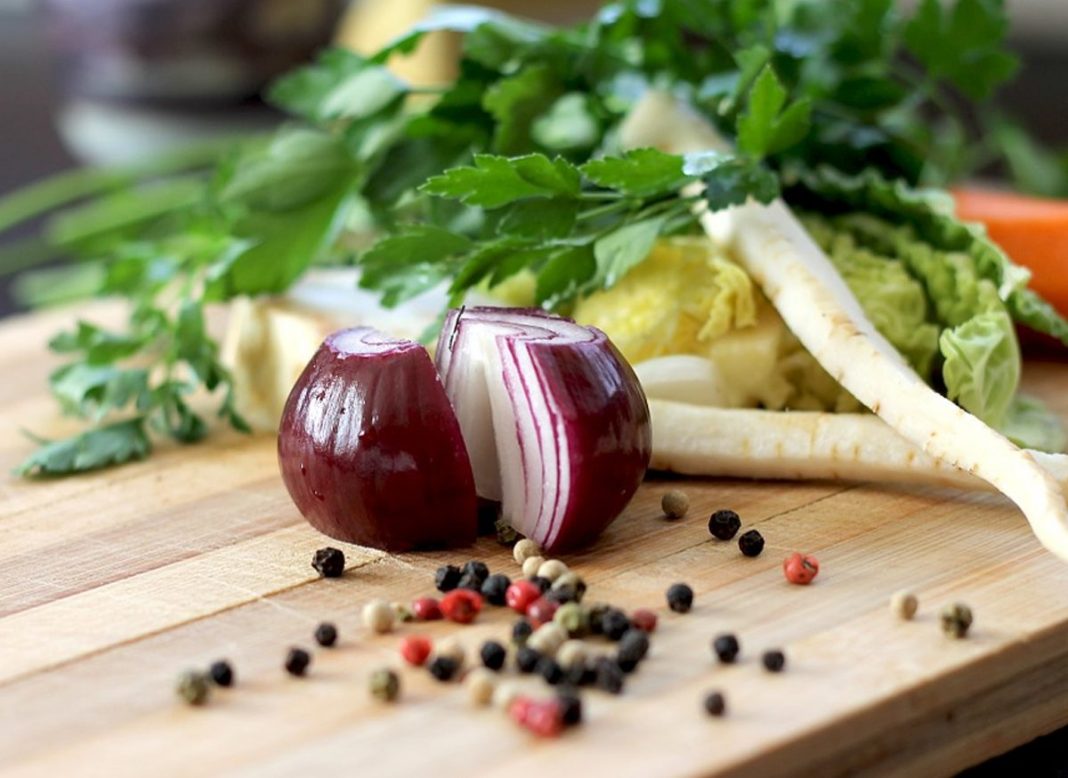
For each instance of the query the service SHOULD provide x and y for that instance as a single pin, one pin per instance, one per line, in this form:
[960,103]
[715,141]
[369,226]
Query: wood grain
[113,583]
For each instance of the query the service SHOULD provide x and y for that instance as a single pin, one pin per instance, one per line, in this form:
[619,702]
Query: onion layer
[553,416]
[370,449]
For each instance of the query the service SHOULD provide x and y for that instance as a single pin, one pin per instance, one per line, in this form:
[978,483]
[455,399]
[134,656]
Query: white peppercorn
[904,604]
[547,639]
[531,565]
[505,694]
[552,569]
[378,616]
[570,653]
[524,550]
[480,684]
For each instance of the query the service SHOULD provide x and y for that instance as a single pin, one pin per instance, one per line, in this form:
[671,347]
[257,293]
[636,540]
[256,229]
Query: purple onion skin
[371,451]
[609,436]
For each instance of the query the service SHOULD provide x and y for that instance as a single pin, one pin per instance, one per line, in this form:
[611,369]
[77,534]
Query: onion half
[554,419]
[370,449]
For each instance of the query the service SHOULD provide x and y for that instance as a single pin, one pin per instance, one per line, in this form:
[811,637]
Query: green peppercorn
[675,504]
[505,532]
[715,704]
[326,634]
[193,687]
[956,620]
[573,619]
[680,598]
[222,673]
[385,685]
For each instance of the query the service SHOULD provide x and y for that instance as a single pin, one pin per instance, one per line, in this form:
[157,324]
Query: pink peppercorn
[541,611]
[415,649]
[461,605]
[426,609]
[543,718]
[800,568]
[643,619]
[521,594]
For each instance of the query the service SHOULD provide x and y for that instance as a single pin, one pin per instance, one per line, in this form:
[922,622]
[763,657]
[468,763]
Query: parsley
[513,167]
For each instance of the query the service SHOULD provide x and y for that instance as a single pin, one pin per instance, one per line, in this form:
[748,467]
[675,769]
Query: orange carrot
[1032,231]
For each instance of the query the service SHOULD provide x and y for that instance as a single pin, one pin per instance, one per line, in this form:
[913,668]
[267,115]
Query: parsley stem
[608,208]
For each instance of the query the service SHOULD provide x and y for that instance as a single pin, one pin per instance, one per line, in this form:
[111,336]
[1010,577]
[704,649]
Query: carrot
[1033,231]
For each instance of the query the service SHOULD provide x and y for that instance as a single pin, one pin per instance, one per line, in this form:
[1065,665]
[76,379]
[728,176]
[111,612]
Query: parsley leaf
[495,181]
[113,444]
[641,173]
[623,248]
[765,127]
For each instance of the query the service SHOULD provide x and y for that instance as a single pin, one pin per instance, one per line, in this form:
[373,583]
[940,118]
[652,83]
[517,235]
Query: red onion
[553,416]
[370,449]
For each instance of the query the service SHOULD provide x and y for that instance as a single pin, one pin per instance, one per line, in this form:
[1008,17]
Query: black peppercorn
[543,583]
[526,659]
[326,634]
[447,577]
[521,630]
[222,674]
[471,582]
[570,708]
[479,571]
[494,588]
[633,647]
[564,594]
[680,598]
[443,668]
[751,543]
[297,661]
[549,669]
[610,676]
[596,615]
[614,623]
[715,705]
[575,674]
[774,661]
[726,648]
[493,654]
[724,524]
[329,562]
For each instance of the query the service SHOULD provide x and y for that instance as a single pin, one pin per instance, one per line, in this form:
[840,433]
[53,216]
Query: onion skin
[370,449]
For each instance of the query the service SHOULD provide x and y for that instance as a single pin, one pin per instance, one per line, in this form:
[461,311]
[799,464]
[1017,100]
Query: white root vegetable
[814,301]
[683,377]
[797,445]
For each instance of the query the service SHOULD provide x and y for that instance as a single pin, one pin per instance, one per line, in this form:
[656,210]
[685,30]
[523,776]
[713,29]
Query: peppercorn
[470,582]
[724,524]
[572,618]
[643,619]
[633,646]
[551,569]
[326,634]
[505,694]
[751,543]
[547,638]
[222,673]
[521,630]
[402,612]
[562,594]
[800,569]
[531,565]
[904,604]
[680,598]
[451,648]
[543,718]
[426,609]
[461,605]
[384,685]
[378,616]
[579,673]
[447,578]
[193,687]
[495,587]
[415,649]
[726,648]
[526,659]
[506,534]
[297,661]
[610,676]
[524,550]
[571,582]
[627,665]
[614,623]
[480,684]
[443,668]
[570,708]
[774,660]
[520,595]
[595,614]
[476,569]
[549,670]
[956,620]
[541,611]
[493,654]
[543,584]
[329,562]
[674,504]
[571,653]
[715,704]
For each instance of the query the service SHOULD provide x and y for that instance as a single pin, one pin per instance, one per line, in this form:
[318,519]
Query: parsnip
[818,307]
[793,445]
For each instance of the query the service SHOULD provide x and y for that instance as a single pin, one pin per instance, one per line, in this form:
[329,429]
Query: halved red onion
[554,419]
[370,449]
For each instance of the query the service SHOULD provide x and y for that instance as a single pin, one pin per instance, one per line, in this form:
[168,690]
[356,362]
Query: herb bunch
[513,167]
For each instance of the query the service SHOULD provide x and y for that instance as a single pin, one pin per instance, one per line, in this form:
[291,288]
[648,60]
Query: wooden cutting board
[111,584]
